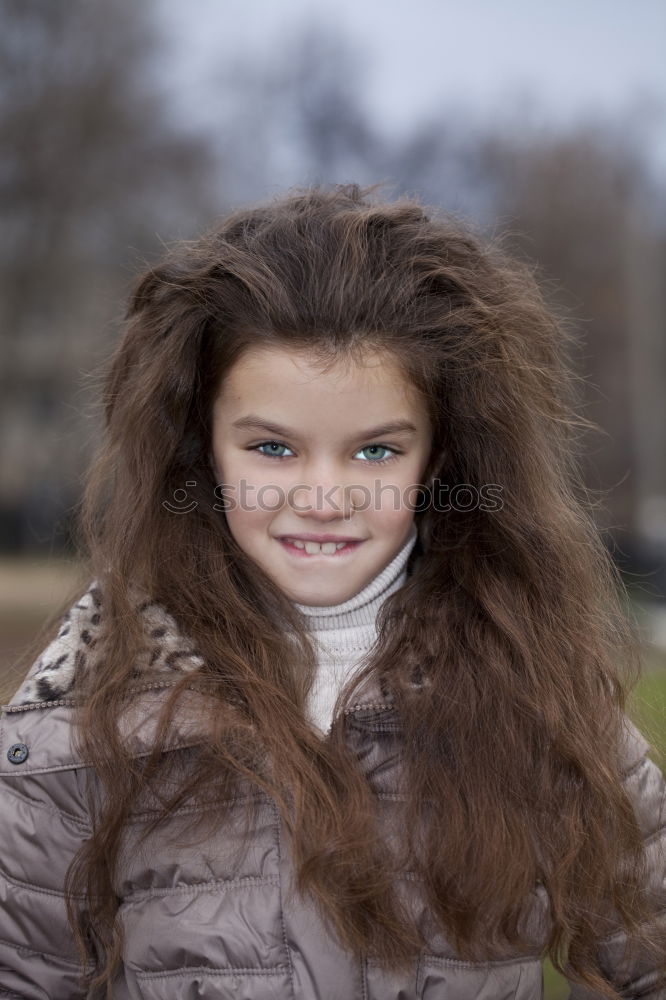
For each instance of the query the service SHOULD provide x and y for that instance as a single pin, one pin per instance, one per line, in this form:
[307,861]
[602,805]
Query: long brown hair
[514,618]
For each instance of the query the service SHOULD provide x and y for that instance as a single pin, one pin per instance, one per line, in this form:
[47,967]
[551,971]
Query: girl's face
[307,456]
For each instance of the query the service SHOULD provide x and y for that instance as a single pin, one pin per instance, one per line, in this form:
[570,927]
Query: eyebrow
[392,427]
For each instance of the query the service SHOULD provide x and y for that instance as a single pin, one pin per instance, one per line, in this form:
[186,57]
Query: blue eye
[275,449]
[379,447]
[272,445]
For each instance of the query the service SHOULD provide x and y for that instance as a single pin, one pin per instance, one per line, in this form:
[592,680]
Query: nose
[322,498]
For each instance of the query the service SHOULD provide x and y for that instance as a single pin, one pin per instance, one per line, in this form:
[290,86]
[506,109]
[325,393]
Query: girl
[340,712]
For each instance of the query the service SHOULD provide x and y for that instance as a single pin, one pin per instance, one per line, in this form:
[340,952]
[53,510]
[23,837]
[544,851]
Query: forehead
[296,393]
[272,370]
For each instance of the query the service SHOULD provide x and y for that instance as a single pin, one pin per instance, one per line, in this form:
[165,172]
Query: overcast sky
[564,58]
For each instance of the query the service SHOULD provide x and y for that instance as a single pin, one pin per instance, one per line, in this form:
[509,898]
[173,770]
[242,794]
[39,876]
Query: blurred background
[125,125]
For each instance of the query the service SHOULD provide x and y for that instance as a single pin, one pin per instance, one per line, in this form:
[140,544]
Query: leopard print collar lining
[51,676]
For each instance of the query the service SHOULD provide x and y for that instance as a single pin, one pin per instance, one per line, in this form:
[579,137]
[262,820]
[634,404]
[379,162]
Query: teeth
[314,548]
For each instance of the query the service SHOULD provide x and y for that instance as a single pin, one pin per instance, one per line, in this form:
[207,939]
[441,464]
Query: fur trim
[52,675]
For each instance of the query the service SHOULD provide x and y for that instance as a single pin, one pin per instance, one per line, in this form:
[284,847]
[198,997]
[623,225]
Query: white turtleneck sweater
[344,632]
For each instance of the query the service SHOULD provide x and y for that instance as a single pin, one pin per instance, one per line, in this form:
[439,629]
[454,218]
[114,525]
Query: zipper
[60,703]
[73,702]
[381,706]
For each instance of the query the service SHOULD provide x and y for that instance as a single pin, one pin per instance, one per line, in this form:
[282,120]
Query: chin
[322,598]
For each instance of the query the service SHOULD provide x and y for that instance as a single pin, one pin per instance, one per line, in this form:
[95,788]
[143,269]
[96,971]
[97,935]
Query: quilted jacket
[211,920]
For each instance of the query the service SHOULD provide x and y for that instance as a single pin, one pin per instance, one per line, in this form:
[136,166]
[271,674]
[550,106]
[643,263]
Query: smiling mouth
[330,549]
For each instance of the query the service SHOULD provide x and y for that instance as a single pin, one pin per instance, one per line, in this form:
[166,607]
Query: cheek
[407,486]
[251,507]
[230,466]
[247,528]
[392,510]
[217,464]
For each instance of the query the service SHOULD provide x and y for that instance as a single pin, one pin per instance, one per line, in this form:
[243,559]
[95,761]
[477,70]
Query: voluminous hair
[513,619]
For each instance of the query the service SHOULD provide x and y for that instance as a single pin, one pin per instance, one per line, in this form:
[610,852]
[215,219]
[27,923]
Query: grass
[647,709]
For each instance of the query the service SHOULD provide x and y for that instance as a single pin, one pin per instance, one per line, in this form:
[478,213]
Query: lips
[307,547]
[308,536]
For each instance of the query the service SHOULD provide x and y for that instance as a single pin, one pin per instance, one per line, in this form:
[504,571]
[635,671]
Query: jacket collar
[50,680]
[51,677]
[39,714]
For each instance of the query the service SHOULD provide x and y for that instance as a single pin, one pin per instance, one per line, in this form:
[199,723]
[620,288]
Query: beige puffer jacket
[209,921]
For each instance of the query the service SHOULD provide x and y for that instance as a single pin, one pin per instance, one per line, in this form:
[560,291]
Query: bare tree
[94,166]
[583,205]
